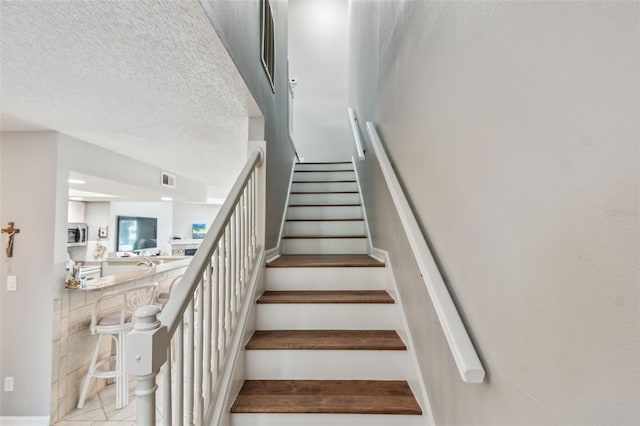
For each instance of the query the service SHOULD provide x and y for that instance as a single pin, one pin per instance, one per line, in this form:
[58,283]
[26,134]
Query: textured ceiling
[148,79]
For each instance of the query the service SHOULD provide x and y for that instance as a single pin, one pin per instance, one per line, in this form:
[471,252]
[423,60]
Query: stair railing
[192,336]
[464,354]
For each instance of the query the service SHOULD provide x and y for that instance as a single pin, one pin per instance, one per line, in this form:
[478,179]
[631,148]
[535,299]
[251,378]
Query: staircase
[326,350]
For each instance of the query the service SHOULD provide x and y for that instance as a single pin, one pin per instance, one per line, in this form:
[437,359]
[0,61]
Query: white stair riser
[325,212]
[323,176]
[325,198]
[326,365]
[324,246]
[276,419]
[351,227]
[330,316]
[324,186]
[291,279]
[326,166]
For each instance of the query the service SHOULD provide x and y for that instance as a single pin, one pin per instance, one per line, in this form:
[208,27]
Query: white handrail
[464,353]
[202,316]
[353,119]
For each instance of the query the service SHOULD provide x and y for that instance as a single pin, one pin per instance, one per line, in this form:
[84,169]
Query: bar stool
[115,323]
[164,291]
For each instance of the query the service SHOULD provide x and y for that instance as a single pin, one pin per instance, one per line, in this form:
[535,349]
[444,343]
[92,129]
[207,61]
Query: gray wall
[28,189]
[238,26]
[514,130]
[318,48]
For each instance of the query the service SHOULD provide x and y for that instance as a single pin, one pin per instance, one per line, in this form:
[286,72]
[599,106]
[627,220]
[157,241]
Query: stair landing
[326,396]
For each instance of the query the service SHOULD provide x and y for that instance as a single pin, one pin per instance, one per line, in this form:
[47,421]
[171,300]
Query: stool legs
[122,384]
[92,369]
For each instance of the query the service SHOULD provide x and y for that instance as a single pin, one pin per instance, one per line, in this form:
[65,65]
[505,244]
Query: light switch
[12,283]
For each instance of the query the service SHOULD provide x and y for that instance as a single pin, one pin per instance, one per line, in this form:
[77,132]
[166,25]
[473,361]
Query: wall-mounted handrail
[464,353]
[353,119]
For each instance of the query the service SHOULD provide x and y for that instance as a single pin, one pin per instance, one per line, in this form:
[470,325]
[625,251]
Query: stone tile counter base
[73,344]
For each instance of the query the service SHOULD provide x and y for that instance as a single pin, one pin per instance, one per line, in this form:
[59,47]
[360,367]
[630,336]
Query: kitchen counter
[139,272]
[73,343]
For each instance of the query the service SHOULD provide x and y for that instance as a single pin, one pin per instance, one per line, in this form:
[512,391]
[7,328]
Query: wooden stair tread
[325,162]
[326,396]
[324,261]
[325,220]
[326,340]
[326,205]
[302,237]
[324,192]
[326,296]
[323,181]
[324,171]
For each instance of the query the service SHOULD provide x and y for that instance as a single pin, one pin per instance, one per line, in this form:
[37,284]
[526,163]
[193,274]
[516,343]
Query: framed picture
[198,230]
[268,43]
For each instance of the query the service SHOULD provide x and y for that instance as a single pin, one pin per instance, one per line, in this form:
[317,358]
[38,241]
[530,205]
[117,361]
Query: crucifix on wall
[11,233]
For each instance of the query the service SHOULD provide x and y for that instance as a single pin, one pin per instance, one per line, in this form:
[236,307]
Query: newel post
[146,353]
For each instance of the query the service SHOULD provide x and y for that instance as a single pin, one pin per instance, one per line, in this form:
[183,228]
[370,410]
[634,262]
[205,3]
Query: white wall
[98,214]
[28,192]
[318,44]
[513,127]
[185,215]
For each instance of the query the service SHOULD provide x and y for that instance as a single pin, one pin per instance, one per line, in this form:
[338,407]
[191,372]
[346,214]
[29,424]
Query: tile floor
[100,410]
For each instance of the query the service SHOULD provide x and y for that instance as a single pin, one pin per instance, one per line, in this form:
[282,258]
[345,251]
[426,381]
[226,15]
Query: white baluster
[179,373]
[227,292]
[188,384]
[199,349]
[233,270]
[167,412]
[207,334]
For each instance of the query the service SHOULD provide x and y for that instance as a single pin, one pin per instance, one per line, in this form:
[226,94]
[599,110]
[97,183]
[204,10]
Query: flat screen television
[137,233]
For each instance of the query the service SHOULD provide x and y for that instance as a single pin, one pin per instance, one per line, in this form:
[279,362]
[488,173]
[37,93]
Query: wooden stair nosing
[318,237]
[323,171]
[326,220]
[326,396]
[322,192]
[381,340]
[325,261]
[323,181]
[326,297]
[327,162]
[326,205]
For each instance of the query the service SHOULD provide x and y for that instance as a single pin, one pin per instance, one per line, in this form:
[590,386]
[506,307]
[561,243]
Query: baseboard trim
[224,391]
[364,210]
[24,421]
[424,399]
[284,213]
[272,254]
[378,254]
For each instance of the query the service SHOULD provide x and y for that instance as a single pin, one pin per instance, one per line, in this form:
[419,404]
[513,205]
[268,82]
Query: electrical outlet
[8,384]
[12,283]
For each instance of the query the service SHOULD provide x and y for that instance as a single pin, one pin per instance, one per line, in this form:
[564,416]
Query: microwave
[77,234]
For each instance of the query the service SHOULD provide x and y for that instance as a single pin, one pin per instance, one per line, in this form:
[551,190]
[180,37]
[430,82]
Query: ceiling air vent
[168,180]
